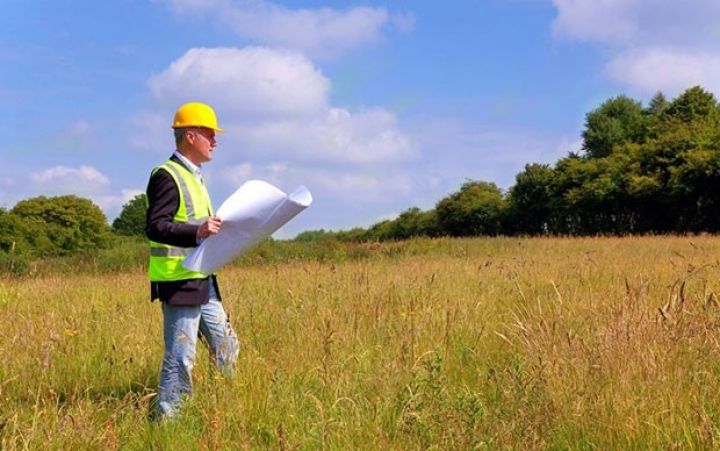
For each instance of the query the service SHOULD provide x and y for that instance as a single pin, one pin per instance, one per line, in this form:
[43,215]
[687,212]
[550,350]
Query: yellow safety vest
[165,260]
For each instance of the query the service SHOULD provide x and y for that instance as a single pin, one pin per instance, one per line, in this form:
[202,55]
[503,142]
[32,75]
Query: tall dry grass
[606,343]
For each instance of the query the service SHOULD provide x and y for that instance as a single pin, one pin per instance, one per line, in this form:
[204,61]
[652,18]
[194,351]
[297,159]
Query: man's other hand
[211,226]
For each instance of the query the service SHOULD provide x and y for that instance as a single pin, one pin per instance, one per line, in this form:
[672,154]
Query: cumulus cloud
[321,32]
[63,177]
[659,45]
[335,136]
[250,81]
[318,32]
[274,104]
[666,70]
[602,20]
[639,22]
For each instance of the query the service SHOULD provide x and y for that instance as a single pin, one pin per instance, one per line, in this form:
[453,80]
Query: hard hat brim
[217,129]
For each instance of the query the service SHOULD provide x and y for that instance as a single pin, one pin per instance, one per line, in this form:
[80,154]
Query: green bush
[14,264]
[60,225]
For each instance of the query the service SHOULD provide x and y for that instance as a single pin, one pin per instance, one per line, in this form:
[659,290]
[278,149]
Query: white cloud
[319,32]
[250,81]
[655,69]
[653,45]
[63,177]
[639,22]
[599,20]
[274,105]
[337,136]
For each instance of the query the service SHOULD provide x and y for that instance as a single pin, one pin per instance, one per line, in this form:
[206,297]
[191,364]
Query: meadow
[487,343]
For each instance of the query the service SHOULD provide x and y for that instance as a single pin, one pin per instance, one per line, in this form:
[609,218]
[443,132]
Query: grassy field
[597,343]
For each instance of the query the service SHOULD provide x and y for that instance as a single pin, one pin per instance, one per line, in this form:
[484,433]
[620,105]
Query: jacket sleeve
[163,203]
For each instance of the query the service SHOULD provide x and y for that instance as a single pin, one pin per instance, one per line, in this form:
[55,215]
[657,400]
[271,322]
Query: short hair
[179,135]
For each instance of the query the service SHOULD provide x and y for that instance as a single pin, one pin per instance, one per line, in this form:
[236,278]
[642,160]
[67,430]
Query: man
[179,217]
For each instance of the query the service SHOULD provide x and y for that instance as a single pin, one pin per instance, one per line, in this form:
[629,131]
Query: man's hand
[211,226]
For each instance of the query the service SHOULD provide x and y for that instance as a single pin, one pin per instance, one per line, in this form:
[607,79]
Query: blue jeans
[181,324]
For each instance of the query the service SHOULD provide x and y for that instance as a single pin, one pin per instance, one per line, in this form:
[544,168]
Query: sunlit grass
[600,343]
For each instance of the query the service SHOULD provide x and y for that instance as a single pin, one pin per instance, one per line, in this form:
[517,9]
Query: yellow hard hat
[196,114]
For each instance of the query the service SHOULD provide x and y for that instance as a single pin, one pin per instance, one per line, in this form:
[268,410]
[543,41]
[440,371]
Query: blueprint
[253,212]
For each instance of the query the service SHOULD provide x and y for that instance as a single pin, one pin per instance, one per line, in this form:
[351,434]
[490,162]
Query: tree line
[642,169]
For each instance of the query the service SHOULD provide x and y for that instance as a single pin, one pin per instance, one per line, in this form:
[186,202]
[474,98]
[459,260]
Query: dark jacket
[164,201]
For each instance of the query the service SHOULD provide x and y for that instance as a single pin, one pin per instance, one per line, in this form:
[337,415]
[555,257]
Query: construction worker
[179,217]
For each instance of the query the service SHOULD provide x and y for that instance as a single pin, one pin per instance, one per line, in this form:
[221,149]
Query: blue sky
[376,106]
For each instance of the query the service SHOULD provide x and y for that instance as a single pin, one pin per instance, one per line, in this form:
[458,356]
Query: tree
[413,222]
[132,218]
[16,234]
[380,231]
[695,183]
[70,223]
[616,121]
[692,105]
[530,201]
[658,104]
[477,209]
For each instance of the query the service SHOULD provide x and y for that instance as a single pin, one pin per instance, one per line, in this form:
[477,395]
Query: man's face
[202,144]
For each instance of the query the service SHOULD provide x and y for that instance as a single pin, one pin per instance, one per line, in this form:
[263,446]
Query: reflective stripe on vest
[170,251]
[184,190]
[194,207]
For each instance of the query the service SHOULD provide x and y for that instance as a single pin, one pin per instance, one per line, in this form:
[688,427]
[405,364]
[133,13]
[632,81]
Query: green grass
[595,343]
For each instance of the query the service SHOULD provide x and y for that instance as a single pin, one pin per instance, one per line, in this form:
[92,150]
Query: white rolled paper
[253,212]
